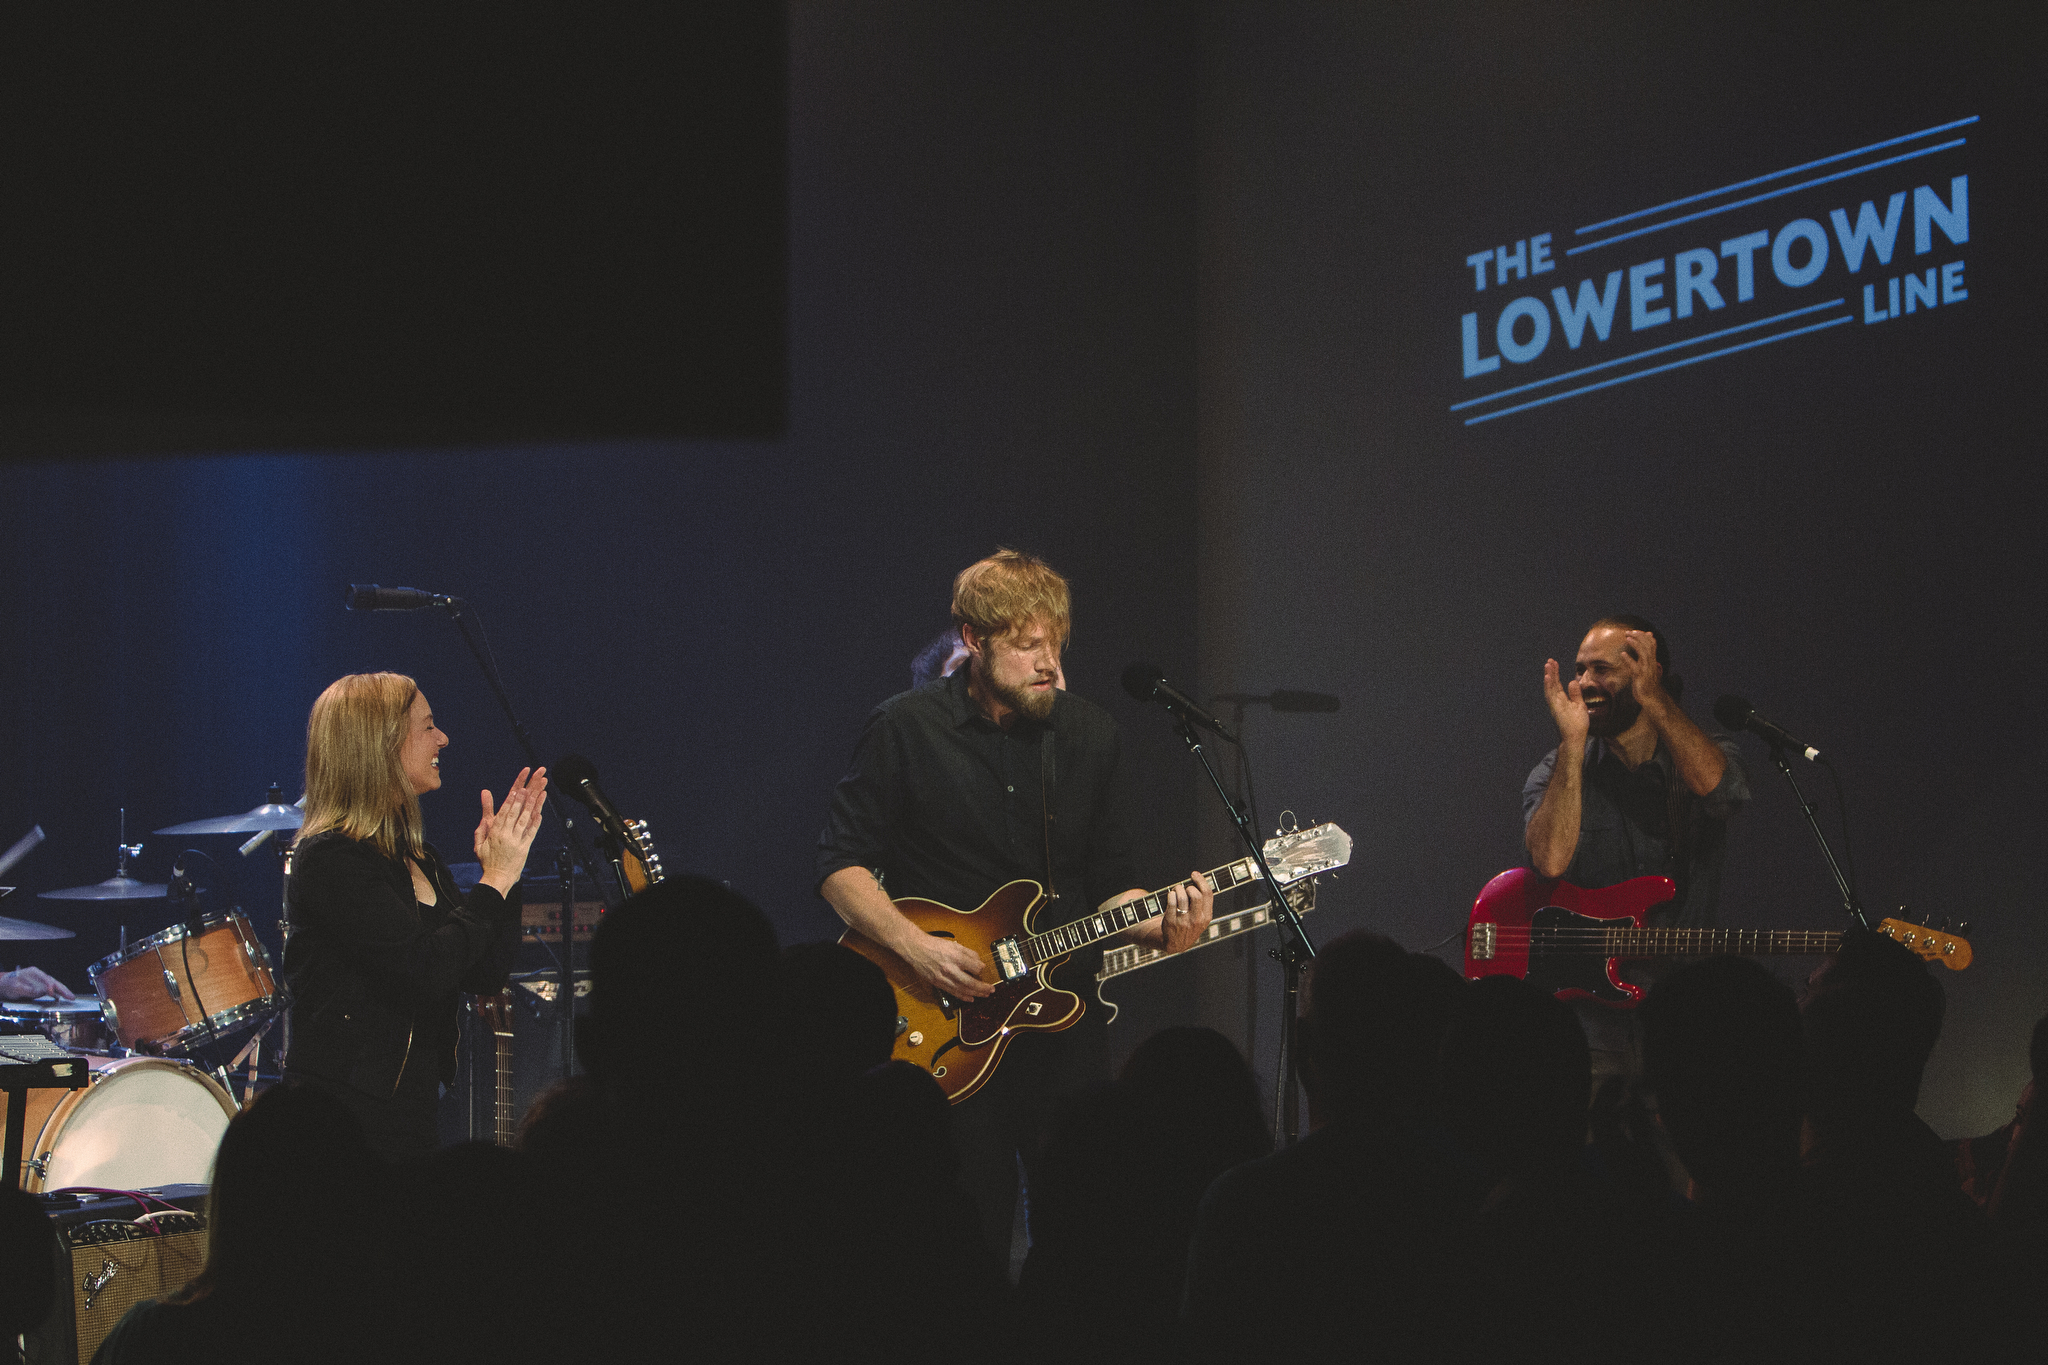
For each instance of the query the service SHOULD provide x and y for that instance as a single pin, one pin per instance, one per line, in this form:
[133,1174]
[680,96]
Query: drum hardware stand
[1850,904]
[185,898]
[1294,951]
[123,851]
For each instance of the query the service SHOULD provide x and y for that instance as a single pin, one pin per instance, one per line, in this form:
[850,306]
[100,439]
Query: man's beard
[1620,712]
[1024,699]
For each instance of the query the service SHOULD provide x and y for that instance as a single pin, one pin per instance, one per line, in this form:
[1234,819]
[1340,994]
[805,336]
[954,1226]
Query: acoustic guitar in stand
[1572,940]
[496,1013]
[959,1042]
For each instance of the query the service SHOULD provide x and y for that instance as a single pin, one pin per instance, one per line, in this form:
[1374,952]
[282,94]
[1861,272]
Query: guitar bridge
[1482,942]
[1010,964]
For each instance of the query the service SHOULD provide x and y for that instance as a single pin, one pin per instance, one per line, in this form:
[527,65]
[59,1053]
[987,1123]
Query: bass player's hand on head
[946,966]
[505,833]
[1567,708]
[1640,648]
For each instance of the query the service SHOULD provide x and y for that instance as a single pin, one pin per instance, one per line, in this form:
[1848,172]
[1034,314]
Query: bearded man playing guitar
[987,777]
[1633,789]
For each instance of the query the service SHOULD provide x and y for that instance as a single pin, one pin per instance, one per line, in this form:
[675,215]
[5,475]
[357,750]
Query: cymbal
[28,928]
[269,815]
[112,889]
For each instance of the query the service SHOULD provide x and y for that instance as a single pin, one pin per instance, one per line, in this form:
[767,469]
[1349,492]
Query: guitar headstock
[1306,852]
[496,1012]
[643,864]
[1935,945]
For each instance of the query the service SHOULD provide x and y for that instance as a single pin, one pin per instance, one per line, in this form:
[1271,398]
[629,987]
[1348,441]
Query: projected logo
[1717,289]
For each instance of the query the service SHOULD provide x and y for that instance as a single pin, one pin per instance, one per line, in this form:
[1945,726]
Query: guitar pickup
[1482,942]
[1010,962]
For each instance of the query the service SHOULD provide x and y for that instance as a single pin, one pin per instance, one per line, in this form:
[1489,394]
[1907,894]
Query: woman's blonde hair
[355,779]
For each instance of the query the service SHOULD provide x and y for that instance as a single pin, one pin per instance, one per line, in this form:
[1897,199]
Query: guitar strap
[1045,789]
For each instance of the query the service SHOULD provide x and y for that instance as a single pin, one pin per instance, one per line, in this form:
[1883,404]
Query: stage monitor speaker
[107,1262]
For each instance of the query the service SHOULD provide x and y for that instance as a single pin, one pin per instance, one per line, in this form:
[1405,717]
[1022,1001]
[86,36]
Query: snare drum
[152,999]
[77,1024]
[140,1123]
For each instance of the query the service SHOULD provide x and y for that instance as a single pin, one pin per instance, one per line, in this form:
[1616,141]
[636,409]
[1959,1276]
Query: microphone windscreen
[1732,711]
[1284,700]
[570,771]
[1140,678]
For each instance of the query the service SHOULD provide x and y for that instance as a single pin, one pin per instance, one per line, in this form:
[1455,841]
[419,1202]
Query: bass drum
[141,1122]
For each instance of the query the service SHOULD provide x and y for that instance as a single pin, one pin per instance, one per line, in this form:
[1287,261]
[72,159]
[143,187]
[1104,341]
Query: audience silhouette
[1114,1194]
[1341,1238]
[769,1186]
[291,1261]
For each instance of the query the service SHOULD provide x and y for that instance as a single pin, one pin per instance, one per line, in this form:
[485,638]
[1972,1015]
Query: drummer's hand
[29,983]
[504,835]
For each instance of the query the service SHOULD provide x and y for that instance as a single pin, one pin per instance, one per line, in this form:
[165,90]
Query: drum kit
[156,1032]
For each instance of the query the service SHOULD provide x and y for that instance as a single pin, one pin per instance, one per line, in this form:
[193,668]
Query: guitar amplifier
[107,1262]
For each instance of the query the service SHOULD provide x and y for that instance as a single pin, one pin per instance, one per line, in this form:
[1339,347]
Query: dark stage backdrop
[1839,524]
[992,334]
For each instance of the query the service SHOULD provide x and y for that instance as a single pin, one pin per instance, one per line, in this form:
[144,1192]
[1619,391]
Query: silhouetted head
[1375,1015]
[1871,1020]
[291,1183]
[687,965]
[1202,1094]
[1512,1079]
[1721,1049]
[838,1010]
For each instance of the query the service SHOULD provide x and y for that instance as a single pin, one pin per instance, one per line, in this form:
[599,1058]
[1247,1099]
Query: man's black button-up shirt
[948,806]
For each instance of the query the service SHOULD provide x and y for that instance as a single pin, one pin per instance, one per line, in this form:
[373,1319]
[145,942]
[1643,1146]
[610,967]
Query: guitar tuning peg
[1943,927]
[1904,915]
[1963,929]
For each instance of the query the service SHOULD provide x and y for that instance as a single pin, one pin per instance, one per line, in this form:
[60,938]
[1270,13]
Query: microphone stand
[572,855]
[1850,903]
[1295,949]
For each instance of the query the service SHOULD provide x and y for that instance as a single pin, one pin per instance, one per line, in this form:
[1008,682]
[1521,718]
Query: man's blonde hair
[1007,590]
[355,777]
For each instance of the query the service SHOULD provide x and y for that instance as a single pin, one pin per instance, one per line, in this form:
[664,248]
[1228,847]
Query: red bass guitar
[1572,940]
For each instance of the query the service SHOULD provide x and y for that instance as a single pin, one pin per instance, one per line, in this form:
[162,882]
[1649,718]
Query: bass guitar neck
[1572,940]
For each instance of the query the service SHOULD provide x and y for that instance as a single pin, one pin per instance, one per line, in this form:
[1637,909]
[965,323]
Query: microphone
[578,776]
[1147,682]
[370,597]
[1737,714]
[1280,699]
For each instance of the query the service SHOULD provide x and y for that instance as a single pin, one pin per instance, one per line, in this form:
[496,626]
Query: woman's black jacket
[375,976]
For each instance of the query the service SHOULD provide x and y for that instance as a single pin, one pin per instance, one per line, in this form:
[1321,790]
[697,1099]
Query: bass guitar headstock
[1934,945]
[642,863]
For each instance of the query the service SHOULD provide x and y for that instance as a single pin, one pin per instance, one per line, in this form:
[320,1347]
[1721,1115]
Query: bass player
[1634,789]
[975,780]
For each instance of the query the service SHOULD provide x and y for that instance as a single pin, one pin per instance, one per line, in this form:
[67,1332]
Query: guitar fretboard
[1580,941]
[1082,932]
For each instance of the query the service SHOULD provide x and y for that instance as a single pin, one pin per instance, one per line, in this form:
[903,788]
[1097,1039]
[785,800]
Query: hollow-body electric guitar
[959,1042]
[1572,940]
